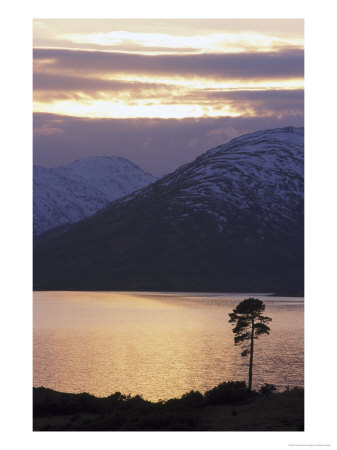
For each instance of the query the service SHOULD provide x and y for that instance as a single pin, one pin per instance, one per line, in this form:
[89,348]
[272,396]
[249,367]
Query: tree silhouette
[249,325]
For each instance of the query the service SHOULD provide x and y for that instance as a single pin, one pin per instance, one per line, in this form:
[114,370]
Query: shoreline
[162,292]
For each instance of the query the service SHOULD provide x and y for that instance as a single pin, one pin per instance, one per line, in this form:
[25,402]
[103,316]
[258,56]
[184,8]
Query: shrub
[116,397]
[192,398]
[227,392]
[267,389]
[298,391]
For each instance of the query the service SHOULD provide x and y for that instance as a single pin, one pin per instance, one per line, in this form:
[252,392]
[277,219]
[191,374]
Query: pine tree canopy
[247,318]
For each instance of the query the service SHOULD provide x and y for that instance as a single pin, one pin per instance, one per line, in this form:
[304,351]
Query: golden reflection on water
[157,345]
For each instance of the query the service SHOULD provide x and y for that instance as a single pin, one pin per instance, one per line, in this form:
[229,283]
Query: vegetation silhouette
[267,389]
[249,325]
[227,407]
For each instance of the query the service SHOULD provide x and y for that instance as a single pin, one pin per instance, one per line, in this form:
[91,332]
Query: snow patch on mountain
[69,193]
[260,174]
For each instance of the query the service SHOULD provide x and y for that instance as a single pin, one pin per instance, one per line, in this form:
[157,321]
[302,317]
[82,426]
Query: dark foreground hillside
[227,407]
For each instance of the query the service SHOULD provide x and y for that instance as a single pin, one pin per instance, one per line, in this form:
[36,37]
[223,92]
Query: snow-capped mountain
[69,193]
[230,220]
[259,174]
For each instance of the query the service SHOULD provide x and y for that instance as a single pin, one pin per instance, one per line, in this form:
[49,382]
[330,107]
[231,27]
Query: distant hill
[69,193]
[232,220]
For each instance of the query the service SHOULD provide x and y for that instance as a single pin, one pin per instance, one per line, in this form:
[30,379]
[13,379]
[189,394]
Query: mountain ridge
[230,220]
[71,192]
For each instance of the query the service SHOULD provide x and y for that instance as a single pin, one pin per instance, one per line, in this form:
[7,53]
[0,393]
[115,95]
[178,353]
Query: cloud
[258,102]
[224,41]
[177,26]
[48,130]
[158,35]
[50,86]
[156,145]
[114,95]
[263,65]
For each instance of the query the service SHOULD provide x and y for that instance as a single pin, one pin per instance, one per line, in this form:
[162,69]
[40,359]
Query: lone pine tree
[249,325]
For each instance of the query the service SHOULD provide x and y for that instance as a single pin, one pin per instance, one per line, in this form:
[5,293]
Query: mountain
[232,220]
[69,193]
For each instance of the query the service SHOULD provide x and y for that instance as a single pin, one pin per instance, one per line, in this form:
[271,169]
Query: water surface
[160,345]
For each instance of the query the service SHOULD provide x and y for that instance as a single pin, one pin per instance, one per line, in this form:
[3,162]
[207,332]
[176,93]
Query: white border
[321,222]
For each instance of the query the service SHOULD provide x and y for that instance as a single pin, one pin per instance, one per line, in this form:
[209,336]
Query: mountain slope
[69,193]
[230,220]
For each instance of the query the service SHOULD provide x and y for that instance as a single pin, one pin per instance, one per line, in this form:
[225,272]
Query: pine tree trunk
[251,358]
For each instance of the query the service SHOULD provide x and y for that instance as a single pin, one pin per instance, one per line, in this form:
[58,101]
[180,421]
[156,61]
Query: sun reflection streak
[158,345]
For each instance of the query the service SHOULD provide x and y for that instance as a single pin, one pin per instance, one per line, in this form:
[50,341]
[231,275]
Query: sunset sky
[161,92]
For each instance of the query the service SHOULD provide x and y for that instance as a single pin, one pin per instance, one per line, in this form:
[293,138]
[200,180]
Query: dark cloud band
[265,65]
[156,145]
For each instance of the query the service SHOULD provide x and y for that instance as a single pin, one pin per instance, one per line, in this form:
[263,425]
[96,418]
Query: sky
[161,91]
